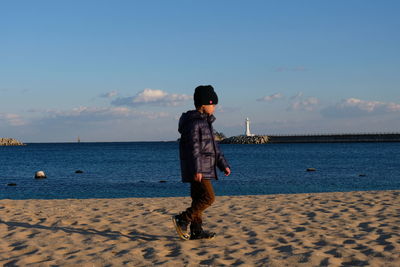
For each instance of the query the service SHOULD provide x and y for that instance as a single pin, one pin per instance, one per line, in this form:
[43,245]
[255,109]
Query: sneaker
[181,227]
[202,235]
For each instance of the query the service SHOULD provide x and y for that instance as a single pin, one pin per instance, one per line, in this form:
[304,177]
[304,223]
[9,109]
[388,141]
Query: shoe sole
[181,234]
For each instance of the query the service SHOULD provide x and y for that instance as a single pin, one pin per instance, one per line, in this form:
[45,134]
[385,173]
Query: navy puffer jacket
[199,153]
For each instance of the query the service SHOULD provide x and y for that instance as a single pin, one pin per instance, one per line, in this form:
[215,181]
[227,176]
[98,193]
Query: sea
[151,169]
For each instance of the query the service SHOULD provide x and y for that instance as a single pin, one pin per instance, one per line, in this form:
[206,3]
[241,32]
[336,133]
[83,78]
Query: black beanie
[205,95]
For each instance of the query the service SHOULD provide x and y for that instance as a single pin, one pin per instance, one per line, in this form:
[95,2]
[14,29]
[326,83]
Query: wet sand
[326,229]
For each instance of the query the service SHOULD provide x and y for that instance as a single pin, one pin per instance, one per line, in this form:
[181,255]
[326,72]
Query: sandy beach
[326,229]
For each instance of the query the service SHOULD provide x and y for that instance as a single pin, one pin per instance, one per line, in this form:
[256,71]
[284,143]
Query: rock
[12,184]
[243,139]
[218,136]
[10,142]
[78,171]
[40,175]
[311,169]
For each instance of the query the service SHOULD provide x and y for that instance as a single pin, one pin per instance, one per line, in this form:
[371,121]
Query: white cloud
[308,104]
[299,102]
[354,107]
[109,94]
[105,113]
[150,95]
[91,123]
[393,107]
[12,119]
[270,98]
[154,97]
[297,96]
[224,109]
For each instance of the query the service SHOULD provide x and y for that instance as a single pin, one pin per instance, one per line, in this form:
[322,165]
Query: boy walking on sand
[199,157]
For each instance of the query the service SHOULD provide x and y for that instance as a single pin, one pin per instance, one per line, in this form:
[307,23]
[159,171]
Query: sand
[327,229]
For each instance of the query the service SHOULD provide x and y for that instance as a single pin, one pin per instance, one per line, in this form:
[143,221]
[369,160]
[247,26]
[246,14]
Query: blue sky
[126,70]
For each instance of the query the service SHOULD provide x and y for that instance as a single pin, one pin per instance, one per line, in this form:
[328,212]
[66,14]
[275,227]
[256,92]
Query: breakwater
[10,142]
[322,138]
[335,138]
[243,139]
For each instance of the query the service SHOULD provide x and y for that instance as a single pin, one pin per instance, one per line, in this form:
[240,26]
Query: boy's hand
[227,171]
[198,177]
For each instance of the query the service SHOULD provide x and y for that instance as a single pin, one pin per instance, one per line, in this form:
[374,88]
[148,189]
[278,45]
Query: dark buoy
[40,175]
[12,184]
[311,169]
[362,175]
[163,181]
[78,171]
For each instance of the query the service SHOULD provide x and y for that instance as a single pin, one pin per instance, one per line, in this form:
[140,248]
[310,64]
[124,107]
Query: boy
[199,157]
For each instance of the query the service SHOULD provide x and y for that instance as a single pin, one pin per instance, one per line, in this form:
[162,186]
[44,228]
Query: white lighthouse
[248,133]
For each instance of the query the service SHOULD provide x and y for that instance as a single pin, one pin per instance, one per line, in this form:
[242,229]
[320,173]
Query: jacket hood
[192,115]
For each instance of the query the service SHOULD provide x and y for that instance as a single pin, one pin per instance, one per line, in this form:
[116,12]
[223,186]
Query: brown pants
[203,196]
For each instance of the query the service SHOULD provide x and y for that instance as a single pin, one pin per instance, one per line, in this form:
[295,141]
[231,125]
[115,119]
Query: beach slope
[335,229]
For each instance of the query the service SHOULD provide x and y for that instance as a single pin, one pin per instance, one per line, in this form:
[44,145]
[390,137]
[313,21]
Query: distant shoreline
[10,142]
[336,138]
[322,138]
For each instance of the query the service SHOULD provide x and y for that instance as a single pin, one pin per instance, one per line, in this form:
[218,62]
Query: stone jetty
[335,138]
[243,139]
[10,142]
[325,138]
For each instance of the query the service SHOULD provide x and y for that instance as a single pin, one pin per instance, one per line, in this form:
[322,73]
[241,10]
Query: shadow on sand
[133,235]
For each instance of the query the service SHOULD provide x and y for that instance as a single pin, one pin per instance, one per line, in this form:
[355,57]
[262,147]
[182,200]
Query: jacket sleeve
[194,146]
[222,164]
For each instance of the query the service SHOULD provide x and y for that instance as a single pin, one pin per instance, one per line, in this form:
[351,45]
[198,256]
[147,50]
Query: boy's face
[208,109]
